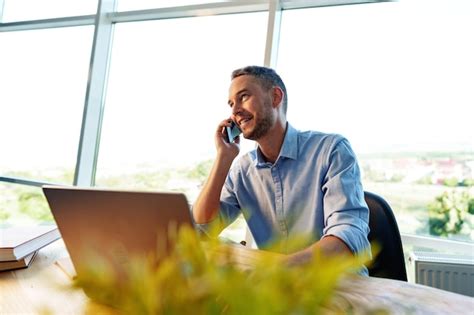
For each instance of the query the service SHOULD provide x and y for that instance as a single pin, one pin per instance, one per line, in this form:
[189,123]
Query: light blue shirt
[313,189]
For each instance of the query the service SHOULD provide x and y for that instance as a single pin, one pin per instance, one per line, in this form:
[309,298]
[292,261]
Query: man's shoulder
[312,137]
[317,145]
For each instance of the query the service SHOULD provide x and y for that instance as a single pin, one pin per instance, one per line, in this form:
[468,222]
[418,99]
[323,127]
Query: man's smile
[244,121]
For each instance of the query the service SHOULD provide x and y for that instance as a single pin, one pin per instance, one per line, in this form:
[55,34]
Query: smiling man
[293,184]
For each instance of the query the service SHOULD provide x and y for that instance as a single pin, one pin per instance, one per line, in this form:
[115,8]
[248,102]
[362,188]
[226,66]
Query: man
[295,183]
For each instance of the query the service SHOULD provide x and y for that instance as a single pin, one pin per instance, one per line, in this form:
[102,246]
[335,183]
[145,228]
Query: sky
[390,77]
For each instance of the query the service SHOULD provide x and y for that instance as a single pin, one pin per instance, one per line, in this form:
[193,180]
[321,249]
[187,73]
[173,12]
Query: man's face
[251,107]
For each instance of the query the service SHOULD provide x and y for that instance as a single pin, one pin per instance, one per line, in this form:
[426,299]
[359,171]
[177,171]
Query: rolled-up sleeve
[346,214]
[229,208]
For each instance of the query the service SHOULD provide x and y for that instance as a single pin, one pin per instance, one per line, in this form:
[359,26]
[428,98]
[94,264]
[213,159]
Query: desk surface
[42,286]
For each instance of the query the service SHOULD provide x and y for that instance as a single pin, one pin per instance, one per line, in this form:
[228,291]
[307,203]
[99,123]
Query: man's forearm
[330,245]
[206,206]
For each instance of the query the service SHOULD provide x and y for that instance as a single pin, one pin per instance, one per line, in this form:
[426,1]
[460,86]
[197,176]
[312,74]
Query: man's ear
[277,96]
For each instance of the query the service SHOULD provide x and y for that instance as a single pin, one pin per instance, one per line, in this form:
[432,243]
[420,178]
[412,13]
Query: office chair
[390,261]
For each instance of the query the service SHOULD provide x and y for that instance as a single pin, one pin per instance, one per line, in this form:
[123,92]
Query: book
[17,264]
[20,241]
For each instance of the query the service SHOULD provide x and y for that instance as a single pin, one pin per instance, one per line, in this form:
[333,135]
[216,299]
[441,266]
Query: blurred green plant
[450,212]
[196,281]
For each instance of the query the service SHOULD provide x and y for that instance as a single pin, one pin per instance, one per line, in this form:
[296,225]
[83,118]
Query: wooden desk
[43,285]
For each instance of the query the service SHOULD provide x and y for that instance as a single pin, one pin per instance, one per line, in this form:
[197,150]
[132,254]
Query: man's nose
[236,109]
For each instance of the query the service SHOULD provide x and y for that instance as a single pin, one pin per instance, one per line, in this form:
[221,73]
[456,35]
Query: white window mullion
[273,33]
[95,95]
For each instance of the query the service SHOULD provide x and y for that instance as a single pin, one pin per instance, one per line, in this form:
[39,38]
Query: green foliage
[20,204]
[397,178]
[34,205]
[470,206]
[451,182]
[196,281]
[151,180]
[373,175]
[425,180]
[467,182]
[4,215]
[449,212]
[201,171]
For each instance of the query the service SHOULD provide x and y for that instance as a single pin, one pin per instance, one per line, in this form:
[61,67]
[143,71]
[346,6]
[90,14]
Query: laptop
[116,225]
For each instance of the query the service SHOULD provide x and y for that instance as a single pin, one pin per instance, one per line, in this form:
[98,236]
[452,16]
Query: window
[44,77]
[43,84]
[23,205]
[168,90]
[395,79]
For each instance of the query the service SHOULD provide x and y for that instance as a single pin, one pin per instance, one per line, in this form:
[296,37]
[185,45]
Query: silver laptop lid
[116,224]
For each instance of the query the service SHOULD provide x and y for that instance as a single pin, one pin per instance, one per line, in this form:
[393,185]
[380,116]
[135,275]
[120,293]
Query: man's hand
[225,149]
[329,245]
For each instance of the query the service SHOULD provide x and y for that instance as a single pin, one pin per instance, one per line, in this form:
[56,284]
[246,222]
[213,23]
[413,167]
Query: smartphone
[232,132]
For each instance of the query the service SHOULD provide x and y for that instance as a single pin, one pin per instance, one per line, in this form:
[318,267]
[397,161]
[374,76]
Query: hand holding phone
[232,132]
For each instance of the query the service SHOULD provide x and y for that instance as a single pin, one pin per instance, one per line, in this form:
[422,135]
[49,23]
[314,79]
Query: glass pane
[43,84]
[20,10]
[23,205]
[396,79]
[129,5]
[168,90]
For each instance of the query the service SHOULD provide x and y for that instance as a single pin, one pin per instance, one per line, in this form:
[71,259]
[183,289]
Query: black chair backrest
[390,261]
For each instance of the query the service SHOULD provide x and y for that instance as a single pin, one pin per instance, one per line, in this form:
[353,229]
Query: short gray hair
[267,77]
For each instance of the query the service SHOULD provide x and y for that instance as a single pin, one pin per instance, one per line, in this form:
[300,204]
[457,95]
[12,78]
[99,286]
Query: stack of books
[20,244]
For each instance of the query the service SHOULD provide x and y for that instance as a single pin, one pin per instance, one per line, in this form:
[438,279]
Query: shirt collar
[289,148]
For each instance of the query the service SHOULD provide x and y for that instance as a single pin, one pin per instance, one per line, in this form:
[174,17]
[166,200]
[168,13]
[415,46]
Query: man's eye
[244,97]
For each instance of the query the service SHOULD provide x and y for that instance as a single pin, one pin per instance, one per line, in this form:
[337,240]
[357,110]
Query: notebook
[115,224]
[17,264]
[16,242]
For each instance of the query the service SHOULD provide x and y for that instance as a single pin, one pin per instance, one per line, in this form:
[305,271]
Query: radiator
[447,272]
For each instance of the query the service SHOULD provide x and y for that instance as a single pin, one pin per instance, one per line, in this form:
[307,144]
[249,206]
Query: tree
[449,212]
